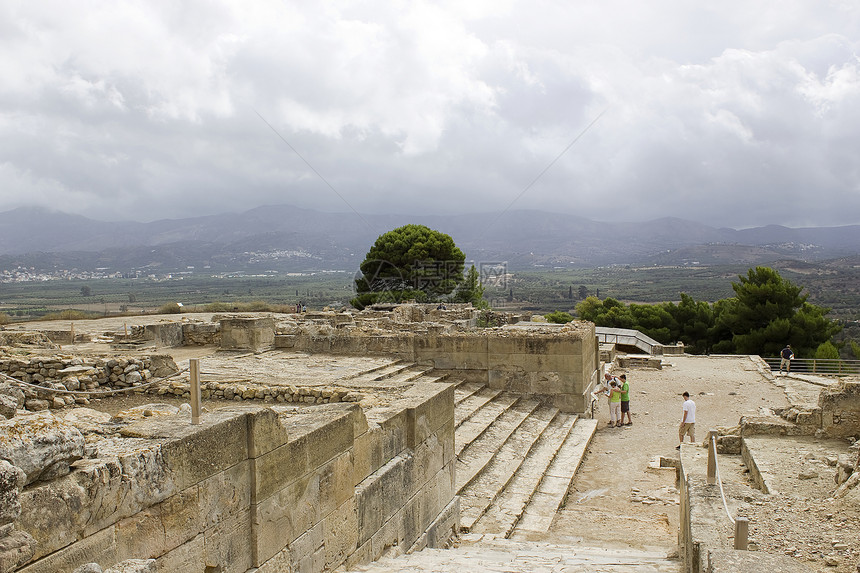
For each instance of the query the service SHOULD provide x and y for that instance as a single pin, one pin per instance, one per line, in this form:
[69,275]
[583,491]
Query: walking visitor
[688,421]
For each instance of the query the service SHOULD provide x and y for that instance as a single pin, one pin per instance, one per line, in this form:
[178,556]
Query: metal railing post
[194,379]
[742,533]
[712,457]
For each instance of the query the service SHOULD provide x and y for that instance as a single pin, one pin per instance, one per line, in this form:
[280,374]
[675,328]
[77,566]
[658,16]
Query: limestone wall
[280,489]
[559,364]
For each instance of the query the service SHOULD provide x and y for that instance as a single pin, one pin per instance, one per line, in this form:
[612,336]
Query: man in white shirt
[688,421]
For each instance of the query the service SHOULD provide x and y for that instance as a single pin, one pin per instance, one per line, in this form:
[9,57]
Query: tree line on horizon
[766,313]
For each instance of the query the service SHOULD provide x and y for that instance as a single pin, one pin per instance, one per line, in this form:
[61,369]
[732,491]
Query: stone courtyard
[433,435]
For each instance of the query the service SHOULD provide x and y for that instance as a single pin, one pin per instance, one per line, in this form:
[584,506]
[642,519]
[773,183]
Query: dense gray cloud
[738,115]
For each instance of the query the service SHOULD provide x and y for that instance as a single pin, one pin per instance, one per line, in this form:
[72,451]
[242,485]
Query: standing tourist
[688,421]
[605,390]
[614,404]
[786,356]
[625,401]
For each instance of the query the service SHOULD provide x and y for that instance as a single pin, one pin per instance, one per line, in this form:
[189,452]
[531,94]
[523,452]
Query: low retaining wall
[706,534]
[279,489]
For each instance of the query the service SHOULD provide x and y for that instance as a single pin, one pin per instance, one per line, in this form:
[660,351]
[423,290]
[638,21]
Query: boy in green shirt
[625,401]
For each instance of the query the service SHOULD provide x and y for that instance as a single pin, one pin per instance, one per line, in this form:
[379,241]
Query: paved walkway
[478,554]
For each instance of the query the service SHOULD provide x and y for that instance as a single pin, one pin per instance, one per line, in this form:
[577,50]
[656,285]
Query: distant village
[30,274]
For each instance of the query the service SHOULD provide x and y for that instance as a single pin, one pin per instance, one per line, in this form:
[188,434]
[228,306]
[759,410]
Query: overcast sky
[732,113]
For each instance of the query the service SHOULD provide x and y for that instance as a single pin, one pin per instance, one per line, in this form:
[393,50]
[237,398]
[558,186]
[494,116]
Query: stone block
[141,535]
[113,488]
[335,483]
[330,431]
[283,517]
[279,563]
[247,333]
[361,556]
[42,445]
[266,432]
[429,407]
[411,527]
[440,531]
[193,453]
[427,460]
[16,549]
[97,548]
[228,545]
[50,517]
[307,553]
[367,454]
[340,529]
[274,470]
[225,493]
[187,557]
[390,432]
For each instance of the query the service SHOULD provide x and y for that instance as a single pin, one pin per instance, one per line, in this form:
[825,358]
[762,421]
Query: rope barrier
[88,393]
[720,481]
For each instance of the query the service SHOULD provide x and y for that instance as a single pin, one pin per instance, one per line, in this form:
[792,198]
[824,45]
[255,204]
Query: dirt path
[617,499]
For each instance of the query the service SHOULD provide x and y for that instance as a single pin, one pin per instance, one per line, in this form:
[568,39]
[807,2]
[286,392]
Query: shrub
[4,318]
[827,350]
[170,308]
[558,317]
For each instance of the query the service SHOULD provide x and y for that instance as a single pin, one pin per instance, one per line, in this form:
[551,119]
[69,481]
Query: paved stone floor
[478,554]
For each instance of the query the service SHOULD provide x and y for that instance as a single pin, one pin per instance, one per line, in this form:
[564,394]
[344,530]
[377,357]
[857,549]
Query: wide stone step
[403,370]
[465,390]
[553,488]
[506,556]
[393,366]
[470,405]
[478,495]
[478,454]
[471,429]
[507,509]
[407,375]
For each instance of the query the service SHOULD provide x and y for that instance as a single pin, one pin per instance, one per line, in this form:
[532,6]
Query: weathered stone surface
[11,481]
[36,404]
[41,445]
[86,419]
[89,568]
[162,365]
[97,495]
[15,550]
[96,548]
[8,406]
[13,393]
[145,411]
[193,453]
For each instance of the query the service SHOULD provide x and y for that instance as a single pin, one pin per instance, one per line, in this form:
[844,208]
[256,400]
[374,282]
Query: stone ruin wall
[272,488]
[293,487]
[558,364]
[70,373]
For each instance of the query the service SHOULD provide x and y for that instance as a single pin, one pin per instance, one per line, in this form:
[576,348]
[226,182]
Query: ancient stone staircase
[395,374]
[516,459]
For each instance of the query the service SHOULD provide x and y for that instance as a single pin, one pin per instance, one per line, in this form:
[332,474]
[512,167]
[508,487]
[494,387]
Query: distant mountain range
[289,239]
